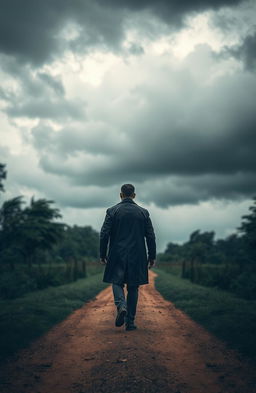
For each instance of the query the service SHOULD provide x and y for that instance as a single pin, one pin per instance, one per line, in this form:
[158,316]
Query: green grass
[229,317]
[170,267]
[28,317]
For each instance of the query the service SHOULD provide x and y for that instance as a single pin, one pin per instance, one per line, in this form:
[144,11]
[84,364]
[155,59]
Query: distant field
[27,317]
[229,317]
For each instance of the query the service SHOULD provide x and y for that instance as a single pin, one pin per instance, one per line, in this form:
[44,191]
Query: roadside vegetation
[224,314]
[214,282]
[228,264]
[37,250]
[27,317]
[47,269]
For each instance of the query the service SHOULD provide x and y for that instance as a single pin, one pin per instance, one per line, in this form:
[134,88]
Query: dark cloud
[238,24]
[183,132]
[94,138]
[197,139]
[36,94]
[54,83]
[39,31]
[173,11]
[135,49]
[246,52]
[194,189]
[45,108]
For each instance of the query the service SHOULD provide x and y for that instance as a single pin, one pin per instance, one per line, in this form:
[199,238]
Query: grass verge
[229,317]
[28,317]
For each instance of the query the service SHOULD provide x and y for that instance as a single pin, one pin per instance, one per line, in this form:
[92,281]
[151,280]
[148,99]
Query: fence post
[69,270]
[75,269]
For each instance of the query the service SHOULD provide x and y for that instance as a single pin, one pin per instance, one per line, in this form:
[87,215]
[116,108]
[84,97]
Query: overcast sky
[160,94]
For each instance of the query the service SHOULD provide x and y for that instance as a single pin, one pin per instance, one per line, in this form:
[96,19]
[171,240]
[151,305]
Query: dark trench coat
[122,242]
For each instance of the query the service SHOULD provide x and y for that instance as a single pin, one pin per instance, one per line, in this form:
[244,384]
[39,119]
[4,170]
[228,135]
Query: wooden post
[75,269]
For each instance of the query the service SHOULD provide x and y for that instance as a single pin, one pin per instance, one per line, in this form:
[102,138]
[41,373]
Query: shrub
[16,283]
[245,285]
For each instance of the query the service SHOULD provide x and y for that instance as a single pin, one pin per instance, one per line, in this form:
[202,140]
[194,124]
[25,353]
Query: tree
[78,242]
[173,249]
[38,229]
[197,249]
[11,218]
[2,176]
[30,229]
[201,245]
[232,249]
[248,230]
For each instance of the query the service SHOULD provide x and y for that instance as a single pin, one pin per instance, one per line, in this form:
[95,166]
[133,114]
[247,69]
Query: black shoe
[130,326]
[121,313]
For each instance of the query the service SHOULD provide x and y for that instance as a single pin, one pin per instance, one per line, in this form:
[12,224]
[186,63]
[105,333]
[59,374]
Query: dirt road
[167,353]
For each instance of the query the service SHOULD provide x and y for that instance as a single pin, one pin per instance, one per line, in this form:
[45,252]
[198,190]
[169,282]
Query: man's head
[127,191]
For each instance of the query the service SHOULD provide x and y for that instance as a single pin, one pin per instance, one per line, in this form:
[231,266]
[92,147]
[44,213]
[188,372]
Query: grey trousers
[130,302]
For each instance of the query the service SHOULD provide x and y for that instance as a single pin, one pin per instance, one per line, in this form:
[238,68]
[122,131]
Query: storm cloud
[36,94]
[159,94]
[246,51]
[190,134]
[39,32]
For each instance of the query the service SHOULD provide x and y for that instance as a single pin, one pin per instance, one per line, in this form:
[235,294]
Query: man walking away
[123,250]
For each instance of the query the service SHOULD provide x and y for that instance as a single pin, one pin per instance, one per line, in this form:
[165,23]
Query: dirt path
[168,353]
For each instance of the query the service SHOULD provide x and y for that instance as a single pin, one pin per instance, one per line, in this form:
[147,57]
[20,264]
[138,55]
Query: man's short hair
[127,189]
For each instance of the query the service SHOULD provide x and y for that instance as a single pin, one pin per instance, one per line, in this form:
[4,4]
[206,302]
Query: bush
[50,278]
[245,285]
[15,284]
[219,276]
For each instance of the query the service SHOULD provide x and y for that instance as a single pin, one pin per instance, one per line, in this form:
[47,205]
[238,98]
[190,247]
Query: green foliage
[30,229]
[16,283]
[30,235]
[38,230]
[245,285]
[248,229]
[169,267]
[28,317]
[11,219]
[227,316]
[225,276]
[173,253]
[77,242]
[224,263]
[2,176]
[20,281]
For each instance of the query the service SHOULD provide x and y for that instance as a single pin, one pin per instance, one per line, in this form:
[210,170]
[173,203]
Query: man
[122,249]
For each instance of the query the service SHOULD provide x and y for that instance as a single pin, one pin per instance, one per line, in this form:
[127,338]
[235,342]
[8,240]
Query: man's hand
[151,263]
[103,261]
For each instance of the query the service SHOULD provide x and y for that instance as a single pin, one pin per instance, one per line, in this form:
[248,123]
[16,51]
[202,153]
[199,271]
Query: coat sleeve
[150,238]
[104,234]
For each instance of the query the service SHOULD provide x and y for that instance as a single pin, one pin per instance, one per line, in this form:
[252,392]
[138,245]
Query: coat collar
[129,200]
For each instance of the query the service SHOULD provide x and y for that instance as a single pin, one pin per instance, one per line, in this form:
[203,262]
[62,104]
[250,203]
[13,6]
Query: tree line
[228,263]
[32,235]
